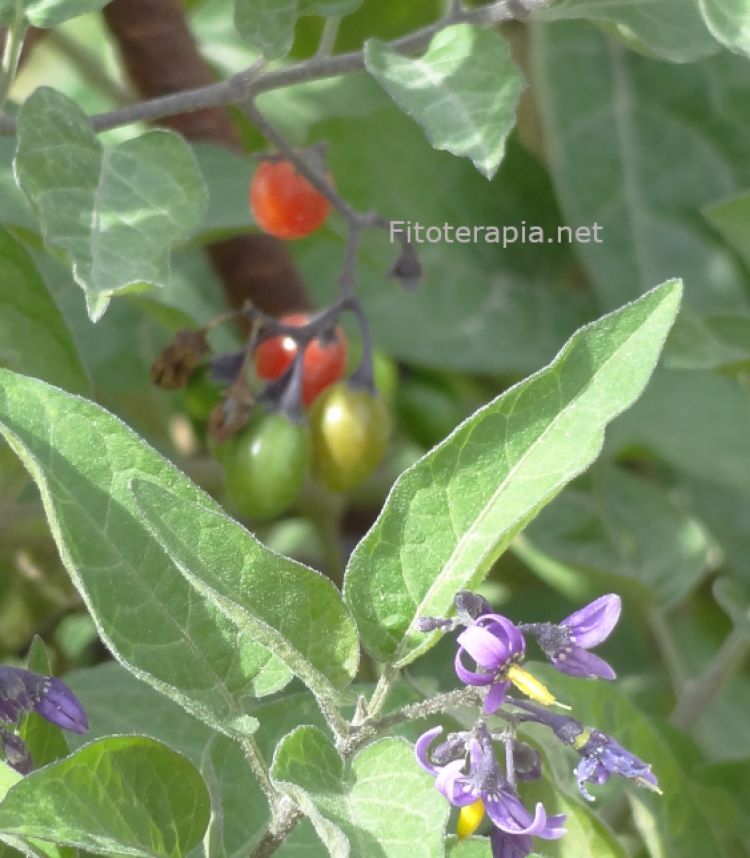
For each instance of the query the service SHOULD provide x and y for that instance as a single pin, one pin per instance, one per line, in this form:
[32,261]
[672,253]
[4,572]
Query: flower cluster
[465,767]
[22,692]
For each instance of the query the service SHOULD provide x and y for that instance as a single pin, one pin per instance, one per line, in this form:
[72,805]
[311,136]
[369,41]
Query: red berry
[323,364]
[284,203]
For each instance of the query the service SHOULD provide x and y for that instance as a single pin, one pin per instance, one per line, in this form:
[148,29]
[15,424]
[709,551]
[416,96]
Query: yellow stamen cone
[532,687]
[469,819]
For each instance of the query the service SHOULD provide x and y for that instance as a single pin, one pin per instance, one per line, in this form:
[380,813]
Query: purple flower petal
[467,676]
[593,623]
[422,747]
[576,661]
[504,629]
[554,829]
[60,706]
[454,785]
[487,649]
[495,697]
[508,813]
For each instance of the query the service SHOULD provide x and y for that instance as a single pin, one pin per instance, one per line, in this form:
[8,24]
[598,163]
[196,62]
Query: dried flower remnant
[174,366]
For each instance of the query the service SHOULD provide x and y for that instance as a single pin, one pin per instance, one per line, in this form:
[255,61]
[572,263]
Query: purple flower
[602,757]
[495,644]
[22,691]
[478,786]
[567,644]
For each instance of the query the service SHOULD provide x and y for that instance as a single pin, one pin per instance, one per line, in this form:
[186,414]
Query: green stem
[377,701]
[258,766]
[328,39]
[12,53]
[670,654]
[701,692]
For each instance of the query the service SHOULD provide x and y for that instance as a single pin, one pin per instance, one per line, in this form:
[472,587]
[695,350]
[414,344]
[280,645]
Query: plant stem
[700,693]
[279,829]
[328,39]
[258,766]
[670,654]
[249,83]
[12,53]
[377,701]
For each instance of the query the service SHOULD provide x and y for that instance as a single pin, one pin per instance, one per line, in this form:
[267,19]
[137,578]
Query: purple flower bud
[16,753]
[527,762]
[470,606]
[566,645]
[60,706]
[22,691]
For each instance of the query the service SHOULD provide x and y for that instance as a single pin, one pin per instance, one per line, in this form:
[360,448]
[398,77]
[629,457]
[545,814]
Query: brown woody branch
[163,62]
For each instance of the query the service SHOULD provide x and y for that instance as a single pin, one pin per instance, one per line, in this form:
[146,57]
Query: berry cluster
[287,409]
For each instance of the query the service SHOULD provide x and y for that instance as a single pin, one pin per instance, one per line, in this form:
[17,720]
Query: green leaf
[267,25]
[732,219]
[122,795]
[471,847]
[587,836]
[116,701]
[733,778]
[452,514]
[729,21]
[329,8]
[672,29]
[381,804]
[45,741]
[709,342]
[293,611]
[83,459]
[463,91]
[49,13]
[116,212]
[227,177]
[622,133]
[725,512]
[680,816]
[697,421]
[16,211]
[626,527]
[34,337]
